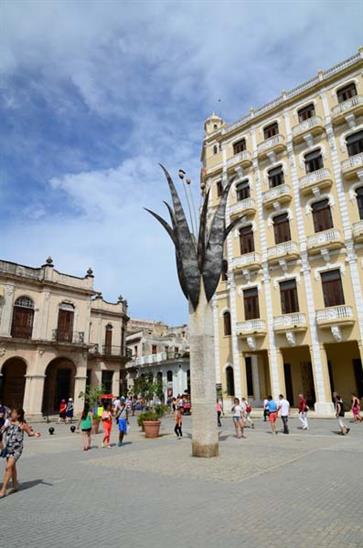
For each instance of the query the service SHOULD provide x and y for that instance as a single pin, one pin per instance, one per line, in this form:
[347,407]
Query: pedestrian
[62,411]
[85,423]
[246,412]
[219,413]
[272,413]
[14,442]
[238,419]
[356,408]
[116,404]
[339,413]
[178,422]
[284,408]
[173,405]
[303,412]
[122,421]
[265,409]
[69,410]
[107,425]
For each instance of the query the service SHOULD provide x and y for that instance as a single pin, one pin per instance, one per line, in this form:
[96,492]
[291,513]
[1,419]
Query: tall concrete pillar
[323,405]
[33,395]
[277,375]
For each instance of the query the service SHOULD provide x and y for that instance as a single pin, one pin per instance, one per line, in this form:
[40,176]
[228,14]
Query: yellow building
[288,313]
[57,335]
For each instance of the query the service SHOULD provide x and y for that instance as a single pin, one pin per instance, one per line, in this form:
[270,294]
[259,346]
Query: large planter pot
[151,429]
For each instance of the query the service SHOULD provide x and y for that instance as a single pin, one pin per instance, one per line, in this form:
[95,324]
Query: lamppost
[199,265]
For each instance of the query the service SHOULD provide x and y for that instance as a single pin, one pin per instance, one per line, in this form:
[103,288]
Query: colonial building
[57,334]
[160,351]
[288,312]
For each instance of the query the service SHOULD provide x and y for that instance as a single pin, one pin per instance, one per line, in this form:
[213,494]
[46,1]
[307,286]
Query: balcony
[327,239]
[243,207]
[68,337]
[348,109]
[272,145]
[251,327]
[277,194]
[160,357]
[320,179]
[290,322]
[285,251]
[248,261]
[311,126]
[358,231]
[341,314]
[242,159]
[352,165]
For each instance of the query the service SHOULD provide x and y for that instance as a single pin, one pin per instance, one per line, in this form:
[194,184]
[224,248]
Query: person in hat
[69,411]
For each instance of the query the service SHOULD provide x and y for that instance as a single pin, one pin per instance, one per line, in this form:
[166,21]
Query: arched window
[306,112]
[230,380]
[23,316]
[313,161]
[246,240]
[169,376]
[215,149]
[322,217]
[108,339]
[355,143]
[227,323]
[243,190]
[282,228]
[275,176]
[65,322]
[346,92]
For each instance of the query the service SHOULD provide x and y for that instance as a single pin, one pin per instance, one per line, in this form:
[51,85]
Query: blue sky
[95,94]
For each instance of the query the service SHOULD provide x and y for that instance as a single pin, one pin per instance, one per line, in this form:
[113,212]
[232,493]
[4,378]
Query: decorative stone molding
[251,343]
[336,332]
[290,337]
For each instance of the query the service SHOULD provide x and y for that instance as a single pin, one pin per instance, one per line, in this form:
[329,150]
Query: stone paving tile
[296,491]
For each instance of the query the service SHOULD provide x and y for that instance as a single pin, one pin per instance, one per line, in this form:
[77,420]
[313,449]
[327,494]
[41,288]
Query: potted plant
[149,420]
[92,396]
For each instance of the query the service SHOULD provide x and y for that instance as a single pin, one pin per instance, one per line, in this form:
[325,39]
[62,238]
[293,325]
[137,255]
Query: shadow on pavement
[29,484]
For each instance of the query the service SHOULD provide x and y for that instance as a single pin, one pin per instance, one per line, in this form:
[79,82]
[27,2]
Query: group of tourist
[105,413]
[66,411]
[272,409]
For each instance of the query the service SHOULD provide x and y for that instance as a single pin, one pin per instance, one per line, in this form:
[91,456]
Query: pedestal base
[324,409]
[205,450]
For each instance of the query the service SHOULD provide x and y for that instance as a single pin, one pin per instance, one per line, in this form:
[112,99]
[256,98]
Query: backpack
[248,408]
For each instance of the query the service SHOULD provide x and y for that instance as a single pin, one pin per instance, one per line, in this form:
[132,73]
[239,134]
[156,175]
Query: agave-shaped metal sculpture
[202,260]
[199,266]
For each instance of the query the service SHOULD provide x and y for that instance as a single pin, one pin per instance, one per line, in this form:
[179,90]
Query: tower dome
[212,123]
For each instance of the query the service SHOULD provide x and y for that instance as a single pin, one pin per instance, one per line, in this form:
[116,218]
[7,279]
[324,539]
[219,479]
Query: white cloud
[157,69]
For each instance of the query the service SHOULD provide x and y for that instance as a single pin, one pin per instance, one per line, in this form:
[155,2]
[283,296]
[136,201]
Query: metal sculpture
[199,267]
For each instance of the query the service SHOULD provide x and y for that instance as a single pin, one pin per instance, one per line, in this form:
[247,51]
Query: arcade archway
[59,384]
[13,382]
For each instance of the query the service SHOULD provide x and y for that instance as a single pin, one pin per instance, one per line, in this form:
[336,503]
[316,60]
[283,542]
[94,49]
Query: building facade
[57,335]
[159,351]
[288,312]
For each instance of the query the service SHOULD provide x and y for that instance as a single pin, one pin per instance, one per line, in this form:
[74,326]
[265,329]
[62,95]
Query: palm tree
[199,266]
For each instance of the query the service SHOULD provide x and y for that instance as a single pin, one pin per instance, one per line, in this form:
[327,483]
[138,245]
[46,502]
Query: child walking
[178,422]
[107,425]
[14,442]
[238,419]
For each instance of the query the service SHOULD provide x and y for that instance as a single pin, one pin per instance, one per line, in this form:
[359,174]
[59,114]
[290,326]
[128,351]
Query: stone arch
[13,381]
[59,384]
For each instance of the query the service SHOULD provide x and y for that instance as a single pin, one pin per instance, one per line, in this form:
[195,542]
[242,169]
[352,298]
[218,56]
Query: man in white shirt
[284,408]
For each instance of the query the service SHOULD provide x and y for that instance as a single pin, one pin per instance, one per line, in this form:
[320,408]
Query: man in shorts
[272,413]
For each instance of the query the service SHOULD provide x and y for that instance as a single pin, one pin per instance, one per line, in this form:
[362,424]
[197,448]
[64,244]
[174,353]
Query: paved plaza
[300,490]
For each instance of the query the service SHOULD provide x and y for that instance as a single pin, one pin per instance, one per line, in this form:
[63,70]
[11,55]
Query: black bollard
[51,430]
[73,429]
